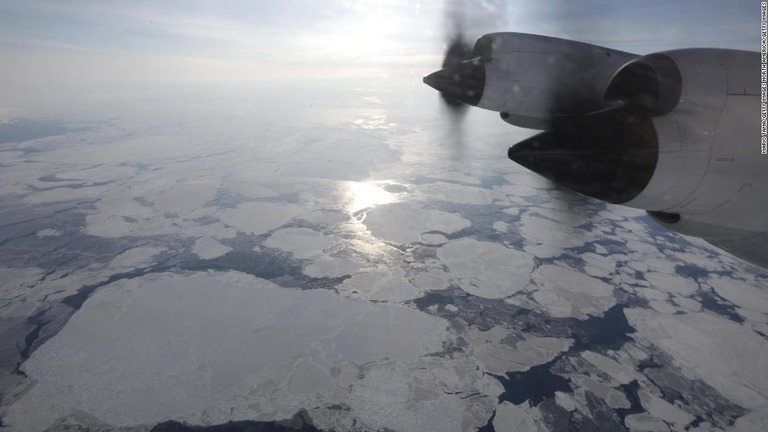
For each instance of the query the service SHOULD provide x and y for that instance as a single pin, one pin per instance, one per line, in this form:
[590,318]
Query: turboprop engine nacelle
[531,79]
[682,142]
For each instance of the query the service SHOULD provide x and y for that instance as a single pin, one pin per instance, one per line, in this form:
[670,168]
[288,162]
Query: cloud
[91,46]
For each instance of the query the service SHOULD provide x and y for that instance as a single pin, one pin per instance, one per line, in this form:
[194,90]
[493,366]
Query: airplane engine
[530,79]
[682,142]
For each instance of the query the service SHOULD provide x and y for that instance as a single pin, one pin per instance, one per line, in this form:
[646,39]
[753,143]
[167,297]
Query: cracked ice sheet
[645,422]
[165,201]
[28,287]
[620,373]
[333,267]
[134,258]
[746,295]
[259,217]
[303,243]
[672,283]
[48,232]
[387,284]
[615,398]
[139,148]
[664,410]
[728,356]
[545,237]
[486,269]
[307,244]
[405,222]
[226,320]
[454,193]
[17,284]
[511,417]
[499,358]
[207,248]
[564,292]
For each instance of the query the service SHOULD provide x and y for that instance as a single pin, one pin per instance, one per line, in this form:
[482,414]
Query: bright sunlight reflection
[366,195]
[370,38]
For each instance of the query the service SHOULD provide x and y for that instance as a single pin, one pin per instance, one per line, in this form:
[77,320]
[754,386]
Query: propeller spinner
[462,79]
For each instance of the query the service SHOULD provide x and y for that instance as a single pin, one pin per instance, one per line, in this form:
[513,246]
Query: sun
[369,35]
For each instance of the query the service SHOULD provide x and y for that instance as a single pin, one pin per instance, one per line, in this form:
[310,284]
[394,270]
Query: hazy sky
[49,46]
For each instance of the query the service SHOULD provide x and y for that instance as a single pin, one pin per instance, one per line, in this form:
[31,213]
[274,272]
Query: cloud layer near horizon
[49,47]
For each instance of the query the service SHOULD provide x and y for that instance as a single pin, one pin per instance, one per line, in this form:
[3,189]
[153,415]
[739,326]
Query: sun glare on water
[366,195]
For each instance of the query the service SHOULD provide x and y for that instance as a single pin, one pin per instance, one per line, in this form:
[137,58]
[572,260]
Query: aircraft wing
[676,133]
